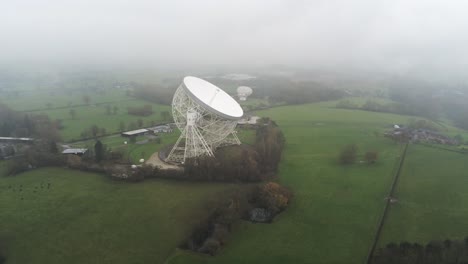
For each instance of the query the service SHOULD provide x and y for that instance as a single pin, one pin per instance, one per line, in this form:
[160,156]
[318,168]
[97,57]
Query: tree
[459,138]
[348,154]
[99,151]
[53,147]
[94,130]
[108,109]
[273,197]
[103,131]
[371,156]
[132,126]
[121,126]
[115,109]
[49,105]
[140,122]
[86,99]
[165,115]
[72,113]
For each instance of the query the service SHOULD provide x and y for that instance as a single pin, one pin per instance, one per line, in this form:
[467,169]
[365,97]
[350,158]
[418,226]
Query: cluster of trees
[434,252]
[212,234]
[42,154]
[271,196]
[159,94]
[457,110]
[416,97]
[414,123]
[16,124]
[349,155]
[233,163]
[145,110]
[269,144]
[99,159]
[375,106]
[111,110]
[93,131]
[242,163]
[290,92]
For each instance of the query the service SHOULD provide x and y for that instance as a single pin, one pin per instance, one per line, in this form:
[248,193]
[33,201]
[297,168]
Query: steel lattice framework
[202,131]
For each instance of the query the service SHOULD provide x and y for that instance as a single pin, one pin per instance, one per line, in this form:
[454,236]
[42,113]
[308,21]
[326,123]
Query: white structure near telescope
[206,116]
[243,92]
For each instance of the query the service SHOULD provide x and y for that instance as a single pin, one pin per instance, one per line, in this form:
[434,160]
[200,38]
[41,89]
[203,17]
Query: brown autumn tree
[371,156]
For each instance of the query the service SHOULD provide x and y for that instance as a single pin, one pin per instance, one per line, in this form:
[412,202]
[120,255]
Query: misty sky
[394,35]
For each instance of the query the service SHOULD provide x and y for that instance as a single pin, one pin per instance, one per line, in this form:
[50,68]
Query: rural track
[387,205]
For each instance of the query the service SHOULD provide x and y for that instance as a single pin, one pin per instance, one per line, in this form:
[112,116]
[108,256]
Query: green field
[432,198]
[35,100]
[335,211]
[88,116]
[87,218]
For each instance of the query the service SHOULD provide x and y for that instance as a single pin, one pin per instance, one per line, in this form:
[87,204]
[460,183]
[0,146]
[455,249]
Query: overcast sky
[394,35]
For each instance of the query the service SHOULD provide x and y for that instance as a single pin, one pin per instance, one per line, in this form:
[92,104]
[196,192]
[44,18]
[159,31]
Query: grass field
[135,152]
[86,218]
[35,100]
[432,198]
[332,219]
[335,210]
[88,116]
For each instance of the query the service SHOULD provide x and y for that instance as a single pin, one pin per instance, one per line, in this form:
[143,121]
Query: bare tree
[72,113]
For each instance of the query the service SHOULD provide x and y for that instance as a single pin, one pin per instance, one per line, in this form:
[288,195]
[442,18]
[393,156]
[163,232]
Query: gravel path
[155,161]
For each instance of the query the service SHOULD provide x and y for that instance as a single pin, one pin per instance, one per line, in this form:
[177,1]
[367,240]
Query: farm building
[135,133]
[161,129]
[16,140]
[75,151]
[250,120]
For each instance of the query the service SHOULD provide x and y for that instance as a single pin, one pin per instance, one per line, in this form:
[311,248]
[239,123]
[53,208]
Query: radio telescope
[206,117]
[243,92]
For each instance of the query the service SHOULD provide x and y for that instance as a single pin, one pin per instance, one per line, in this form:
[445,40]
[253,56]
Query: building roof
[135,132]
[16,139]
[74,151]
[161,128]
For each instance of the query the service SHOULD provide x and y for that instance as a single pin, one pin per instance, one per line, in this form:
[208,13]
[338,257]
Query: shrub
[371,156]
[348,154]
[211,246]
[273,197]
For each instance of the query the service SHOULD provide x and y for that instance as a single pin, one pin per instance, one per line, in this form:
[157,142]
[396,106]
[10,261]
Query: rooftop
[74,151]
[135,132]
[16,139]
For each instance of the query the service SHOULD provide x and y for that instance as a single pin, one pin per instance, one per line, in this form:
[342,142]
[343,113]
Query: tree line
[15,124]
[434,252]
[242,163]
[213,232]
[160,94]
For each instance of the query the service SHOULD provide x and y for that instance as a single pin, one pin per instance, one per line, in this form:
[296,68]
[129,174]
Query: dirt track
[155,161]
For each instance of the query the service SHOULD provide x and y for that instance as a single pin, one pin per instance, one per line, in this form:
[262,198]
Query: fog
[394,36]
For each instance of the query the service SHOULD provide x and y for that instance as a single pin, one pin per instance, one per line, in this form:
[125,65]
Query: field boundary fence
[388,202]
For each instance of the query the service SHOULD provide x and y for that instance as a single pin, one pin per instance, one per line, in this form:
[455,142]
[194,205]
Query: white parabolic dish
[244,90]
[212,97]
